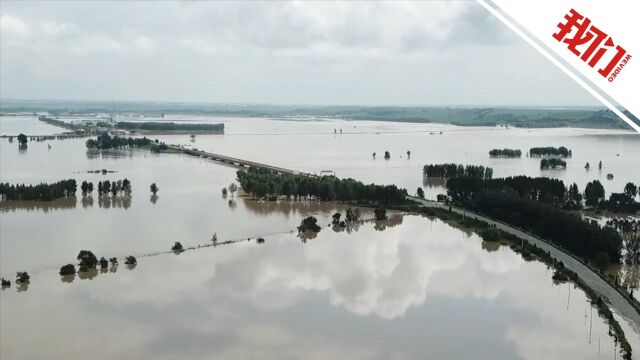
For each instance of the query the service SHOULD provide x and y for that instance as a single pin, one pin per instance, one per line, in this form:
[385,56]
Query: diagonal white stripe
[557,63]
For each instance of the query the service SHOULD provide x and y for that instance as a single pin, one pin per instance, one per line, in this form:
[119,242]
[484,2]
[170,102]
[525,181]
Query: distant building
[118,132]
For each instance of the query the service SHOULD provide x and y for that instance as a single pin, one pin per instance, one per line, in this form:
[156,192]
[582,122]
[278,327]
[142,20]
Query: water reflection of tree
[120,202]
[22,286]
[307,235]
[90,274]
[287,207]
[154,198]
[109,154]
[67,278]
[434,182]
[68,202]
[491,246]
[393,220]
[87,201]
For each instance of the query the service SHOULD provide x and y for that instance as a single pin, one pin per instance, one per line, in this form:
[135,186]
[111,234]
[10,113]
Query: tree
[574,196]
[630,190]
[87,260]
[352,215]
[309,223]
[593,193]
[126,186]
[22,277]
[68,269]
[232,188]
[374,154]
[177,247]
[130,260]
[387,155]
[154,188]
[336,218]
[22,139]
[420,193]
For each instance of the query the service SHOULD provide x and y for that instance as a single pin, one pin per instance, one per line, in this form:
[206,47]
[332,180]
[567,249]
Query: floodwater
[412,287]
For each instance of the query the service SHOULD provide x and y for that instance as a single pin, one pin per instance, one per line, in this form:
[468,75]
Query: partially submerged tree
[352,215]
[130,260]
[5,283]
[87,260]
[260,240]
[387,155]
[22,277]
[309,224]
[103,263]
[232,188]
[154,188]
[68,269]
[177,247]
[22,139]
[336,218]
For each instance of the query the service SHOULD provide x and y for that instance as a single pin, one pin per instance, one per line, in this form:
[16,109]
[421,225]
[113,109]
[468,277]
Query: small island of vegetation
[265,183]
[507,153]
[45,192]
[170,126]
[455,170]
[104,141]
[550,151]
[552,163]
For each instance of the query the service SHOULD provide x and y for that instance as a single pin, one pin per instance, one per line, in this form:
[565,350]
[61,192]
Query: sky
[331,53]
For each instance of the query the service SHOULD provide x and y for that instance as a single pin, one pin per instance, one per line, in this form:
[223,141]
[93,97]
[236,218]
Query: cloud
[13,26]
[199,45]
[344,53]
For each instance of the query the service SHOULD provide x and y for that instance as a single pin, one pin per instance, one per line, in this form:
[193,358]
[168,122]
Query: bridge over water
[238,162]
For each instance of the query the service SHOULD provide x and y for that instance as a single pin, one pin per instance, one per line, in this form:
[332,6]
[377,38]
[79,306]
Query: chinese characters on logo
[592,44]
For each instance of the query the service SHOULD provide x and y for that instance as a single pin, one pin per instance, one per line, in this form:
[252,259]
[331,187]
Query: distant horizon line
[303,104]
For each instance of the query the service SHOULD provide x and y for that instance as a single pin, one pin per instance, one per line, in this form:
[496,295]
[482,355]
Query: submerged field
[411,287]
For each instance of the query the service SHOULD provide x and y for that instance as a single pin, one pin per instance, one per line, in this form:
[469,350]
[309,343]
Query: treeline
[456,170]
[46,192]
[543,189]
[115,187]
[263,183]
[599,245]
[552,163]
[623,202]
[104,141]
[510,153]
[550,151]
[58,123]
[168,126]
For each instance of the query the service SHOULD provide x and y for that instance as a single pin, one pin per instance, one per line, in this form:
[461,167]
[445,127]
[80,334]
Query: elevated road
[239,162]
[619,302]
